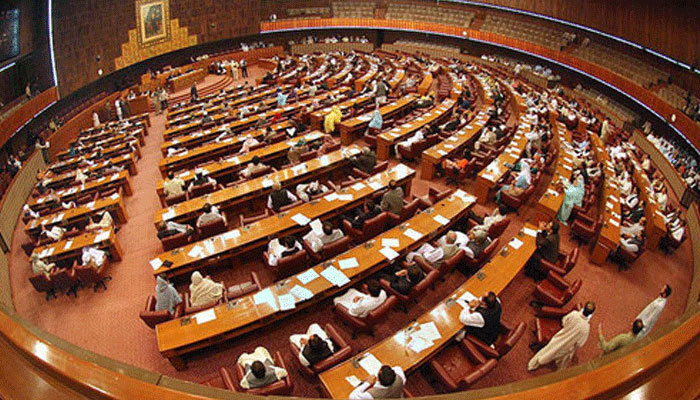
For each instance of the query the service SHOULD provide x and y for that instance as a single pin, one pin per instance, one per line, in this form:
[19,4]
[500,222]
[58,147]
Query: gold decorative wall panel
[133,52]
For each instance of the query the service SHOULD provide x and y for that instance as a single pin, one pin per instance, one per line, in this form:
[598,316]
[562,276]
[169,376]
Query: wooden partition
[673,178]
[26,112]
[16,195]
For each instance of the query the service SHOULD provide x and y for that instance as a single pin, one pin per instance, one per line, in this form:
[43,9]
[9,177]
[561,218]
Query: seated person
[498,215]
[388,384]
[166,295]
[425,101]
[365,161]
[206,118]
[459,164]
[55,233]
[360,304]
[210,214]
[201,177]
[633,228]
[81,176]
[392,201]
[27,212]
[249,142]
[361,214]
[447,247]
[204,291]
[483,318]
[93,257]
[416,137]
[260,369]
[631,242]
[521,181]
[170,228]
[279,197]
[176,151]
[173,186]
[488,137]
[40,267]
[635,214]
[327,235]
[101,221]
[295,152]
[328,141]
[478,242]
[280,248]
[314,345]
[306,190]
[402,280]
[269,134]
[252,168]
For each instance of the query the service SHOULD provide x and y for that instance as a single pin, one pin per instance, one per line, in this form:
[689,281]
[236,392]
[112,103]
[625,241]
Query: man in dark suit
[366,161]
[483,318]
[547,242]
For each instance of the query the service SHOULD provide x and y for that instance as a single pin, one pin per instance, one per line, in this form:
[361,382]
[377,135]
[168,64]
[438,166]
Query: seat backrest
[379,312]
[61,279]
[41,283]
[212,228]
[261,172]
[511,338]
[497,229]
[375,226]
[380,167]
[201,190]
[292,263]
[86,274]
[571,259]
[333,249]
[174,241]
[150,316]
[176,199]
[572,290]
[309,155]
[489,250]
[409,210]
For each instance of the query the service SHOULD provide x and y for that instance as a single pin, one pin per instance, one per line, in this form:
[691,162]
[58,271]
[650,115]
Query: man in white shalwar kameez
[651,313]
[563,346]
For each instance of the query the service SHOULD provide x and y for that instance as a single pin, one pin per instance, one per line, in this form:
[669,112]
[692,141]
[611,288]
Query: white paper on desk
[209,245]
[348,263]
[205,316]
[488,176]
[466,197]
[345,197]
[375,185]
[406,125]
[265,297]
[91,204]
[335,276]
[552,192]
[68,245]
[614,222]
[267,183]
[307,276]
[414,235]
[568,167]
[389,253]
[324,160]
[115,176]
[370,364]
[301,293]
[419,344]
[452,138]
[195,251]
[358,186]
[299,169]
[156,263]
[441,220]
[168,215]
[331,197]
[464,299]
[442,152]
[101,236]
[316,226]
[515,243]
[300,219]
[232,234]
[390,242]
[530,232]
[429,331]
[353,380]
[286,302]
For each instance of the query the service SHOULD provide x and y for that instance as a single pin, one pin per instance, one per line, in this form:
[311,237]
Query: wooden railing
[26,112]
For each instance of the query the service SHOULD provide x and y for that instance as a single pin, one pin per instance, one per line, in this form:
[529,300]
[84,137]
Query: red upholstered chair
[435,195]
[278,388]
[244,288]
[548,323]
[329,250]
[367,323]
[342,352]
[565,262]
[377,169]
[43,284]
[258,173]
[309,155]
[151,317]
[371,228]
[175,241]
[287,265]
[257,146]
[585,228]
[417,290]
[86,198]
[624,257]
[506,340]
[515,202]
[474,264]
[497,229]
[253,218]
[556,291]
[115,190]
[89,276]
[188,309]
[169,201]
[201,190]
[459,367]
[446,266]
[407,211]
[212,228]
[65,280]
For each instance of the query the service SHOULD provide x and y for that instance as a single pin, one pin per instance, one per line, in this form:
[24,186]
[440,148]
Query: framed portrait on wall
[153,21]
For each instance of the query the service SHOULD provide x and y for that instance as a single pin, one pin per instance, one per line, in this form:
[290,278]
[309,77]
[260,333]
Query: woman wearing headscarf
[376,122]
[332,118]
[521,181]
[166,296]
[573,196]
[204,291]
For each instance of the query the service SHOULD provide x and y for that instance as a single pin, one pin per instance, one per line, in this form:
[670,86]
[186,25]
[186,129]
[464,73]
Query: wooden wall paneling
[16,196]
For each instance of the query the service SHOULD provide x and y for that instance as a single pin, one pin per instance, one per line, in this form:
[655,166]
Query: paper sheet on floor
[156,263]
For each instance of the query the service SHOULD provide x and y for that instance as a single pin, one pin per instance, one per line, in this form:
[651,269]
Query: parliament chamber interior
[452,199]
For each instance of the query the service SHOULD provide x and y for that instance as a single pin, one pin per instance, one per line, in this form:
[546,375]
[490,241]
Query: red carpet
[108,322]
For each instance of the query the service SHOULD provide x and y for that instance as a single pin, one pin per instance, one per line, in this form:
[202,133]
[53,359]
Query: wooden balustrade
[26,112]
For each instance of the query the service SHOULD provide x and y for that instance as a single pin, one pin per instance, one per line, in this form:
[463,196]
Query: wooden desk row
[197,138]
[62,166]
[196,255]
[656,224]
[549,204]
[108,132]
[609,236]
[68,178]
[231,93]
[71,248]
[101,184]
[488,178]
[349,128]
[233,164]
[113,140]
[395,351]
[134,119]
[389,138]
[185,335]
[65,218]
[186,80]
[316,117]
[364,79]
